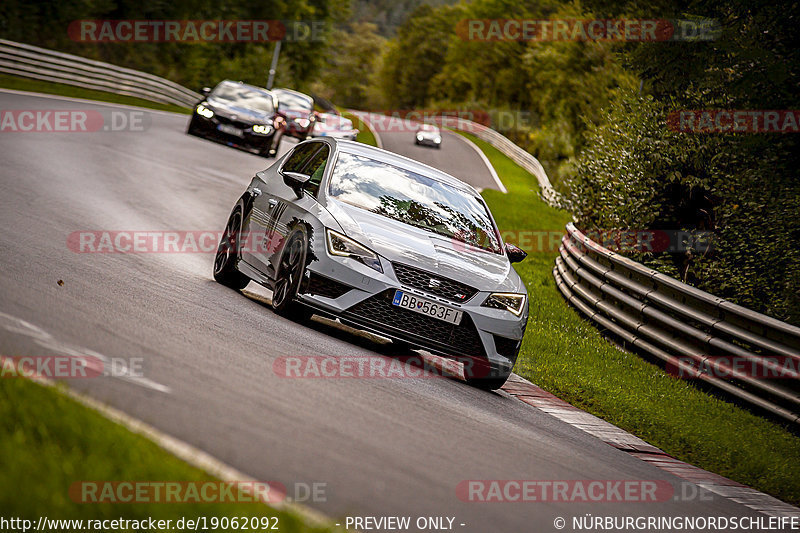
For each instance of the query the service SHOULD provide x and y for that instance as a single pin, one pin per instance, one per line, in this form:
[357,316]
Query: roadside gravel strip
[383,447]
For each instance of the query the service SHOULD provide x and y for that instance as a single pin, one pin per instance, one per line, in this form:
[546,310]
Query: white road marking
[48,342]
[485,160]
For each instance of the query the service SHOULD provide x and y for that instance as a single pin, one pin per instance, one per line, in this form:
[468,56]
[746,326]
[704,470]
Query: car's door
[278,206]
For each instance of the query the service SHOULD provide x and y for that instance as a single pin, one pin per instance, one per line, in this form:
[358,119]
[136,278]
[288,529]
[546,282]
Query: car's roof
[392,158]
[290,91]
[254,87]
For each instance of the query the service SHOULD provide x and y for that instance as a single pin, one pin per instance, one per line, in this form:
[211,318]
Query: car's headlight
[506,300]
[203,111]
[437,140]
[343,246]
[262,129]
[302,122]
[419,136]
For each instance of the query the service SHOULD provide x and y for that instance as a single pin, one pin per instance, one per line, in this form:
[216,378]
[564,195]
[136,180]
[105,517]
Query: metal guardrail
[698,335]
[33,62]
[509,149]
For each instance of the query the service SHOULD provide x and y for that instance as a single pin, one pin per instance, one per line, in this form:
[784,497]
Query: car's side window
[299,157]
[316,168]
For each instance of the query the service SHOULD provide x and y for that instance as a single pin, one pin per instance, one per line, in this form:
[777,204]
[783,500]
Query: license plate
[424,306]
[230,130]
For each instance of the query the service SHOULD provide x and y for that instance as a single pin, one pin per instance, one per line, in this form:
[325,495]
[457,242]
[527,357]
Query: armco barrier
[696,334]
[33,62]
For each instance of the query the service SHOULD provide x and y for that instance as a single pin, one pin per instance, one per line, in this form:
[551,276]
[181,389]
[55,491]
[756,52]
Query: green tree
[348,75]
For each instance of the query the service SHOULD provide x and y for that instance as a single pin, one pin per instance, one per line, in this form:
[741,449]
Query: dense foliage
[45,23]
[637,173]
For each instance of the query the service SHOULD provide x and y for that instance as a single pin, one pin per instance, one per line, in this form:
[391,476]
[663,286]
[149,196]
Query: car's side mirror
[515,253]
[205,91]
[296,180]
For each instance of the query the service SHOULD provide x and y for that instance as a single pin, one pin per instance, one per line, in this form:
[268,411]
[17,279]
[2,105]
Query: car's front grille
[378,311]
[237,123]
[506,347]
[433,283]
[326,287]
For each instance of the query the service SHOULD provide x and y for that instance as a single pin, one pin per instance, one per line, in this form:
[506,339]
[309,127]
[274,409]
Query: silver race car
[382,243]
[428,135]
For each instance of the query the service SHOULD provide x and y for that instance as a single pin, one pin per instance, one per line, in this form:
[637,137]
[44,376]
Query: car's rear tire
[227,253]
[291,268]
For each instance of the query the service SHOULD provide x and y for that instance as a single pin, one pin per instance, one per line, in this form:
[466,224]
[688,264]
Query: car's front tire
[291,269]
[227,252]
[484,376]
[271,150]
[487,384]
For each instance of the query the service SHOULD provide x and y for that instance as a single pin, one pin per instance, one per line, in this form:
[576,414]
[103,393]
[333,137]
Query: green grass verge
[24,84]
[566,355]
[49,441]
[364,133]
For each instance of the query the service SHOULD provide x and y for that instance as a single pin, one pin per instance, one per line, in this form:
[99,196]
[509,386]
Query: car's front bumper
[249,141]
[425,141]
[355,293]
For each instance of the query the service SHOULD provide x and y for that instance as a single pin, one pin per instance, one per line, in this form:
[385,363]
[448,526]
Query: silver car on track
[383,243]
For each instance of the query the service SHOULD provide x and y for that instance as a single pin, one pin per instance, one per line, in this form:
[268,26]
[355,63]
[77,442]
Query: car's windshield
[287,100]
[414,199]
[243,96]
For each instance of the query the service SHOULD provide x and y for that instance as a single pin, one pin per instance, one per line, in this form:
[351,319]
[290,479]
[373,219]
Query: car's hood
[416,247]
[238,113]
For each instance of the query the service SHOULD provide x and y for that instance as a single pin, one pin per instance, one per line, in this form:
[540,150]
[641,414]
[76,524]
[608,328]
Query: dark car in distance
[240,115]
[298,108]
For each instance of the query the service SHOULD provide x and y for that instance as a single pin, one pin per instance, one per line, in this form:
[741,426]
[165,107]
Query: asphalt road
[381,446]
[456,156]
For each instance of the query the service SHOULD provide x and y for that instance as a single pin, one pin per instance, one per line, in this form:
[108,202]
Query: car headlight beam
[342,246]
[262,129]
[509,301]
[203,111]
